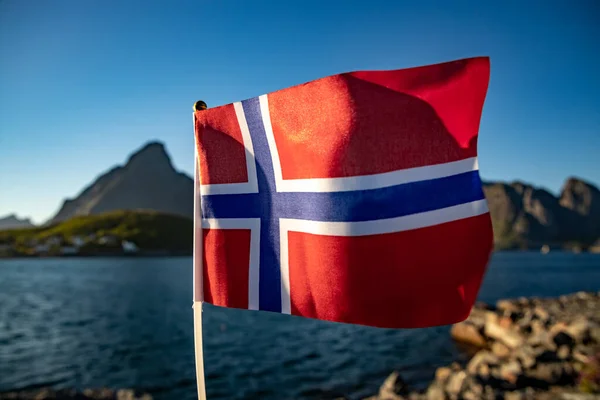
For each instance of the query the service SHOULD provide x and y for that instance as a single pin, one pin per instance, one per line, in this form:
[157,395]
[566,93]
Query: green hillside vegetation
[149,231]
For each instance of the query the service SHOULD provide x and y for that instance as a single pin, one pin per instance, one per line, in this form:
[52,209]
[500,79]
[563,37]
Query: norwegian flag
[353,198]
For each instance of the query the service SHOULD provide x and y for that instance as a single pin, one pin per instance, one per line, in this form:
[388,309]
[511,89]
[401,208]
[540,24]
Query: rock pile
[72,394]
[529,348]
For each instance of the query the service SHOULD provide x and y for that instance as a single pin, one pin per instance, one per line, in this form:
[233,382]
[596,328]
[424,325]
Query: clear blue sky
[84,83]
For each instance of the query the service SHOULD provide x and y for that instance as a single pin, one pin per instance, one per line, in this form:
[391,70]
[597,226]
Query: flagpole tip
[200,105]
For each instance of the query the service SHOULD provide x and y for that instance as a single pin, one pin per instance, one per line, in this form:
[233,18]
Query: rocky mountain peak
[581,197]
[526,216]
[147,180]
[11,221]
[153,153]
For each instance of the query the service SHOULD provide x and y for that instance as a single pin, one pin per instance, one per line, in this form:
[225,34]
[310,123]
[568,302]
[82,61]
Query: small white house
[129,247]
[77,241]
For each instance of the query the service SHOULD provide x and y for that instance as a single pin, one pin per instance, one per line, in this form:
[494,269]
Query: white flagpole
[199,353]
[197,272]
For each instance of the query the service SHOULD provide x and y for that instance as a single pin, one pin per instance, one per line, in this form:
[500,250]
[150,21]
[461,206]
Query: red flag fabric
[353,198]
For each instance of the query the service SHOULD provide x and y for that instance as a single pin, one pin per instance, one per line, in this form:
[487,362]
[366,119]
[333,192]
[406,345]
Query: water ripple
[128,323]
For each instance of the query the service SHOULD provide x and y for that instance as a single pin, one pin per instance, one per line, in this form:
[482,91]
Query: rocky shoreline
[527,348]
[72,394]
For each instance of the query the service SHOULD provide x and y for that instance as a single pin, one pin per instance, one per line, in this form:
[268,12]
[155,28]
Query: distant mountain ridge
[11,221]
[147,181]
[528,217]
[523,216]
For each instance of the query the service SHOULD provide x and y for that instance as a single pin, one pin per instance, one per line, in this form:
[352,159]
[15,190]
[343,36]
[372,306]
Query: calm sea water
[127,322]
